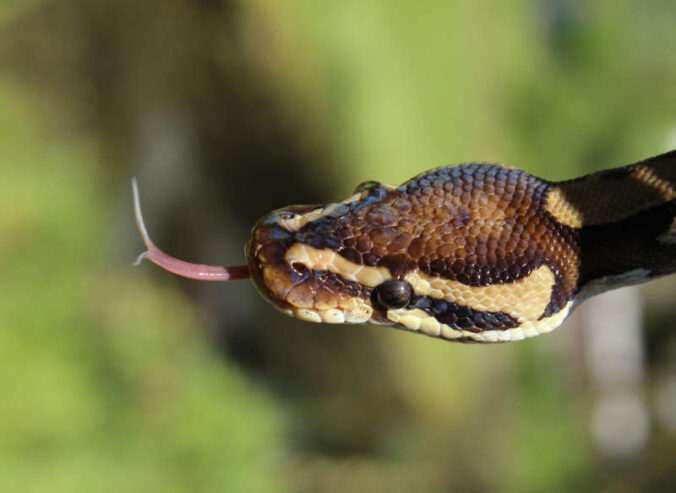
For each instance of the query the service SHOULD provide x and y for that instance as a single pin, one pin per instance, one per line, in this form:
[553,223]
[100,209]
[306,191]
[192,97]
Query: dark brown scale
[613,255]
[483,225]
[476,225]
[492,228]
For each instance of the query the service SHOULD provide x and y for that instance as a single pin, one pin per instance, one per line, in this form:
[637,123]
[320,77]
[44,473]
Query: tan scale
[562,209]
[525,299]
[418,321]
[297,221]
[646,175]
[512,253]
[601,200]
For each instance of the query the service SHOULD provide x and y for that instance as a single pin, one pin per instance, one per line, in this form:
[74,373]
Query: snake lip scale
[475,252]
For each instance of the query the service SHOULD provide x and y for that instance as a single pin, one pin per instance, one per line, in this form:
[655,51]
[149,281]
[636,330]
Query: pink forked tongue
[179,267]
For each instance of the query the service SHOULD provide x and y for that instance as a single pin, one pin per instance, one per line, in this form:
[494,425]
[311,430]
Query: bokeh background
[114,378]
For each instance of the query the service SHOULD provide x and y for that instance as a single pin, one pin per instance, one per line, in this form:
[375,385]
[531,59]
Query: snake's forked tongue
[199,272]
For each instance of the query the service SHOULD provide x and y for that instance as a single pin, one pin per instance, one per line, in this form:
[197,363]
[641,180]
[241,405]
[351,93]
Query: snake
[474,252]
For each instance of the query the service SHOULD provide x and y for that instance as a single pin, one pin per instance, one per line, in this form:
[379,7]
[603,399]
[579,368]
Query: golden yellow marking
[537,327]
[602,201]
[359,313]
[644,174]
[418,321]
[328,260]
[351,198]
[297,221]
[525,299]
[411,319]
[332,316]
[307,315]
[430,326]
[562,210]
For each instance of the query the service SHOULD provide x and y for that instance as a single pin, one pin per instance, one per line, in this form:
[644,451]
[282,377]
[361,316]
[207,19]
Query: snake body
[474,252]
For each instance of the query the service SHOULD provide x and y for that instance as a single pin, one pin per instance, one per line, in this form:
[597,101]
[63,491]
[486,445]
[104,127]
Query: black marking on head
[393,294]
[460,317]
[337,283]
[398,264]
[321,233]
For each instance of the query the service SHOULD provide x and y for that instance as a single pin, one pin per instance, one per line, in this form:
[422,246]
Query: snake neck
[627,221]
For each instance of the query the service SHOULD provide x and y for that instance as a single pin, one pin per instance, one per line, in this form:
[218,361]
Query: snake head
[436,255]
[475,252]
[460,253]
[294,262]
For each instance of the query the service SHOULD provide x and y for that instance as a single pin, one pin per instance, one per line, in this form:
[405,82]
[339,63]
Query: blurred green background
[114,378]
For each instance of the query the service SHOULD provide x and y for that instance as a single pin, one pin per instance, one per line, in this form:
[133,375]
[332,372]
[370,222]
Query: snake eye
[365,186]
[393,294]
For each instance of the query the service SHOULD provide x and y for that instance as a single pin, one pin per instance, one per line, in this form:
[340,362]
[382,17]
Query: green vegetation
[110,376]
[107,383]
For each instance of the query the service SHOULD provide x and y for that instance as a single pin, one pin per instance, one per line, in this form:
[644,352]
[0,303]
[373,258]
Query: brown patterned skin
[491,253]
[630,224]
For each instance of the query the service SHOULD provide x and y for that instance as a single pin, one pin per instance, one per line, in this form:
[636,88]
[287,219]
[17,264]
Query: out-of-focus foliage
[106,383]
[121,379]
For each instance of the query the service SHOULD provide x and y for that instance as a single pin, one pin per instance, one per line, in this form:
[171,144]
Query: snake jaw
[286,280]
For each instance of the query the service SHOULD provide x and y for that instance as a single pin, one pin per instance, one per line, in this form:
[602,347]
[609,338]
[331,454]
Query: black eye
[393,294]
[365,186]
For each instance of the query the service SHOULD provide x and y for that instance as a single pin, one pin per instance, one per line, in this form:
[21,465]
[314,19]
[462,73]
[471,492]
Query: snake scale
[474,252]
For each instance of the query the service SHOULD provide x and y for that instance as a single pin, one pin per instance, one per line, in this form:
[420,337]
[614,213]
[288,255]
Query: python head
[476,252]
[311,262]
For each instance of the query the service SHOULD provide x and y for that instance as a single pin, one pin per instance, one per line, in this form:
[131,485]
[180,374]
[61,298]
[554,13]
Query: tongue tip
[176,266]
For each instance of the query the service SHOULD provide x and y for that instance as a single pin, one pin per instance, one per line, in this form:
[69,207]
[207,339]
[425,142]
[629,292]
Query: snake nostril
[393,294]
